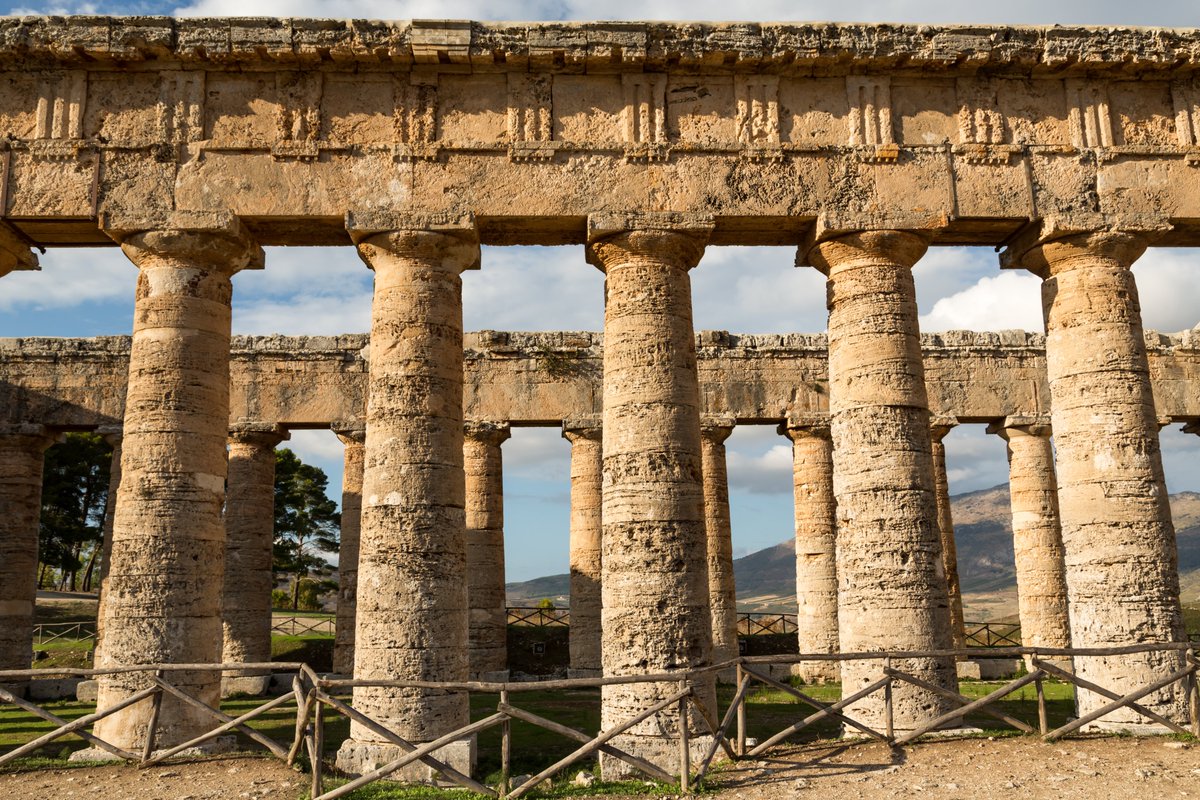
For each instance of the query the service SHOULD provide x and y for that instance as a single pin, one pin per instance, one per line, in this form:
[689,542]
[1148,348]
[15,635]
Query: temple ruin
[194,143]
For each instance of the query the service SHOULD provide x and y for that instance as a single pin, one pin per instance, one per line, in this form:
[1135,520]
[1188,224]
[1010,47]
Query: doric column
[1118,539]
[249,553]
[892,590]
[722,591]
[586,478]
[163,599]
[655,574]
[112,436]
[488,622]
[412,579]
[945,522]
[1037,535]
[22,455]
[816,543]
[353,436]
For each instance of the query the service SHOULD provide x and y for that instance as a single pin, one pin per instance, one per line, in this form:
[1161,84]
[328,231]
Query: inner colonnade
[194,143]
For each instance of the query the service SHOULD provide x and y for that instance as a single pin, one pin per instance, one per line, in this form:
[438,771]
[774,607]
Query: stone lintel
[489,431]
[366,223]
[264,433]
[350,430]
[1020,249]
[15,252]
[939,426]
[186,230]
[1033,425]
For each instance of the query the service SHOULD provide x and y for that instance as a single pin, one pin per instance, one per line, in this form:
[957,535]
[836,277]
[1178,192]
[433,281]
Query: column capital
[15,252]
[350,431]
[261,434]
[34,437]
[450,238]
[487,431]
[940,426]
[1052,245]
[806,426]
[1192,427]
[589,428]
[619,238]
[212,240]
[111,434]
[717,427]
[1035,425]
[835,250]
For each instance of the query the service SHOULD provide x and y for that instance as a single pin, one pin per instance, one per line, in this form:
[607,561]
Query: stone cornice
[789,48]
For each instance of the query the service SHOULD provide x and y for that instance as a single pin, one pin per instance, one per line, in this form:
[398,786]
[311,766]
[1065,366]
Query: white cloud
[996,302]
[975,459]
[757,290]
[1169,288]
[538,454]
[759,461]
[533,289]
[71,277]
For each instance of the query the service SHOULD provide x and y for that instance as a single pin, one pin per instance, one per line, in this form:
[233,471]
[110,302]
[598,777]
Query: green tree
[307,522]
[74,496]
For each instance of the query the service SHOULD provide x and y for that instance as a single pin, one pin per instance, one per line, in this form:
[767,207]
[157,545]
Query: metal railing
[531,616]
[313,697]
[46,632]
[300,626]
[992,634]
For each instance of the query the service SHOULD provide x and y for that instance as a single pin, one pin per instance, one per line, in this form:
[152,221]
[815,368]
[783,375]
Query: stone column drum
[249,553]
[352,436]
[1118,539]
[655,613]
[1037,535]
[22,455]
[722,591]
[412,580]
[816,546]
[892,588]
[487,632]
[113,437]
[163,598]
[945,522]
[586,477]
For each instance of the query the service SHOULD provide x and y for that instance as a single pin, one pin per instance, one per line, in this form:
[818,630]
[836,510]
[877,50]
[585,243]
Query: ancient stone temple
[193,144]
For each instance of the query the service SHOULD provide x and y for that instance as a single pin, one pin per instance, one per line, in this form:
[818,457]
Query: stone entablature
[965,132]
[545,378]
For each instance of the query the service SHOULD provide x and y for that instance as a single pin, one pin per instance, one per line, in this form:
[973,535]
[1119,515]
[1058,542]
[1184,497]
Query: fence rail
[46,632]
[300,626]
[313,697]
[532,616]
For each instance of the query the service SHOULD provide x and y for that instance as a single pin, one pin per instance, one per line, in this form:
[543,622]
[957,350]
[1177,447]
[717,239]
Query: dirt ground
[1024,767]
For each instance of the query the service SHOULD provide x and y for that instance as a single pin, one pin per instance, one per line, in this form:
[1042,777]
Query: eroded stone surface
[353,436]
[487,630]
[945,522]
[722,591]
[587,466]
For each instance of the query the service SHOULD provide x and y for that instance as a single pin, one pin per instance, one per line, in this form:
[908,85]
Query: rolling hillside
[983,534]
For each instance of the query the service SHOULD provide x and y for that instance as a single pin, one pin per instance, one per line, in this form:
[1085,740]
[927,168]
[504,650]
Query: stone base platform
[1146,728]
[256,685]
[662,751]
[817,672]
[987,669]
[358,758]
[213,747]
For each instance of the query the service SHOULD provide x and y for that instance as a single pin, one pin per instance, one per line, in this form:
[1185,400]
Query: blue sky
[749,290]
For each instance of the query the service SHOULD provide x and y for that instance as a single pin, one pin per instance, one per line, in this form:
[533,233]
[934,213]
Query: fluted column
[488,623]
[1118,539]
[945,522]
[722,590]
[163,599]
[1037,535]
[655,575]
[412,580]
[22,455]
[892,589]
[587,466]
[112,436]
[249,553]
[353,436]
[816,546]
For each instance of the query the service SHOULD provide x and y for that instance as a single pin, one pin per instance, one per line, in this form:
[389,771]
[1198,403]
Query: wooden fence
[314,698]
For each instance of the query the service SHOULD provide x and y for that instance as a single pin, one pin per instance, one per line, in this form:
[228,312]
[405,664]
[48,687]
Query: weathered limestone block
[722,591]
[22,454]
[488,621]
[892,588]
[655,609]
[163,600]
[113,437]
[1118,539]
[412,581]
[816,546]
[587,467]
[1037,534]
[945,521]
[353,435]
[249,553]
[15,253]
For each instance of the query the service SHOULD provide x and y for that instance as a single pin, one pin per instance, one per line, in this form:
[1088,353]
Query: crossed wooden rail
[313,696]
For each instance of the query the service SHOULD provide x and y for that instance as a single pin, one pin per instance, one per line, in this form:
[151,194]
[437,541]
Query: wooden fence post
[685,761]
[740,744]
[505,748]
[889,728]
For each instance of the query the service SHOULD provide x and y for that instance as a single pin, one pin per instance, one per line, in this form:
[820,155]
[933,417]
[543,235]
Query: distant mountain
[766,580]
